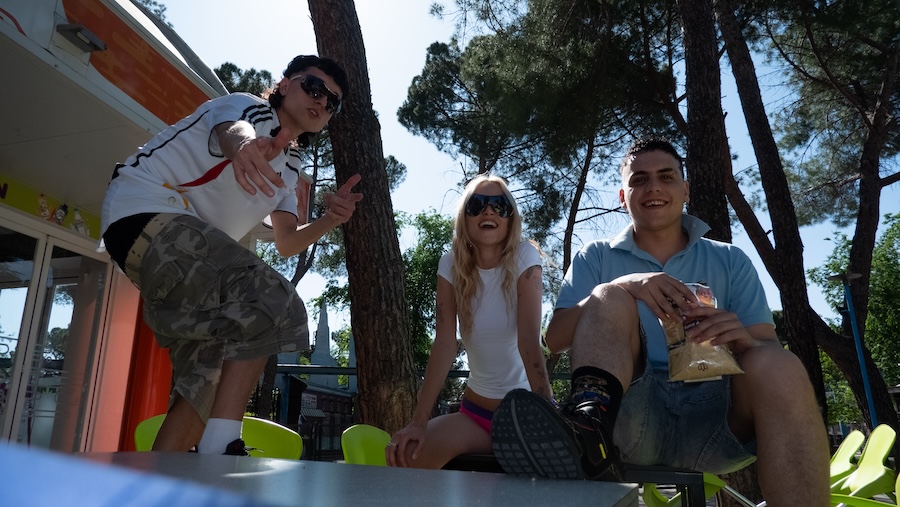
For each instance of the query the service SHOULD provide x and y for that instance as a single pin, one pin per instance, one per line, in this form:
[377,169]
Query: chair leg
[693,491]
[741,499]
[689,482]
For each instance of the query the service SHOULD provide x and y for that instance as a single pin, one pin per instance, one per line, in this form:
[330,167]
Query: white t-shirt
[182,170]
[495,366]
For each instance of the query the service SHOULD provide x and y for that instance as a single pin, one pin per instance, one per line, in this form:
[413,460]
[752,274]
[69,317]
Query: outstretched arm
[291,240]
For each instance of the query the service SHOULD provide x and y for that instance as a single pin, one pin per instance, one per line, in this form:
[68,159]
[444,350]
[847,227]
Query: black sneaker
[530,438]
[236,448]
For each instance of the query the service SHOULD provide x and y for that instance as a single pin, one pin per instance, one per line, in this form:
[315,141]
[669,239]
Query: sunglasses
[315,87]
[478,202]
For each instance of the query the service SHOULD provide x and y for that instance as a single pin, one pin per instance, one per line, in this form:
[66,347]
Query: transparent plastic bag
[690,361]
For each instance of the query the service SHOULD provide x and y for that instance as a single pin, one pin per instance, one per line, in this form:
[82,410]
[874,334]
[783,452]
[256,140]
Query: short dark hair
[301,63]
[646,144]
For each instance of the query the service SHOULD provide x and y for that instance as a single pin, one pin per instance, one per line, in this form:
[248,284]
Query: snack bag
[689,361]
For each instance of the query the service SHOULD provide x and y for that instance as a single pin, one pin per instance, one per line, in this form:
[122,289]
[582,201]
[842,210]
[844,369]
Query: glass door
[17,254]
[51,308]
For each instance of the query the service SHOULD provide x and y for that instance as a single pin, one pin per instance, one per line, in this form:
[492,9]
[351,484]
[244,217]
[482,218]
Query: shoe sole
[529,438]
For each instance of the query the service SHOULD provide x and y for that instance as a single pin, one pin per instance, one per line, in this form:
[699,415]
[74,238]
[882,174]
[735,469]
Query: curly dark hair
[646,144]
[301,63]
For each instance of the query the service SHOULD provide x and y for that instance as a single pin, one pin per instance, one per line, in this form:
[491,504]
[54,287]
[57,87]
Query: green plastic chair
[871,477]
[364,445]
[264,439]
[857,501]
[842,462]
[711,485]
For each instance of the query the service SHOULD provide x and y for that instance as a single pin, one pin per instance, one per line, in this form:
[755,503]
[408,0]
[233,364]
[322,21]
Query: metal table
[317,483]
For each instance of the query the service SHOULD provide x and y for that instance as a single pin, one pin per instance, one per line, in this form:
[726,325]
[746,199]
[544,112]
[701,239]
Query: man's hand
[250,156]
[659,292]
[339,206]
[720,327]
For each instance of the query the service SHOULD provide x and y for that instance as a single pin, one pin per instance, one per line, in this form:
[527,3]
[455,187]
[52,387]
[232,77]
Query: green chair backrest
[871,477]
[364,445]
[266,439]
[145,432]
[842,462]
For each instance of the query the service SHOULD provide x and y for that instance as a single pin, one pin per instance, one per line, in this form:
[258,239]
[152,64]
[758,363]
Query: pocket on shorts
[161,282]
[180,300]
[255,298]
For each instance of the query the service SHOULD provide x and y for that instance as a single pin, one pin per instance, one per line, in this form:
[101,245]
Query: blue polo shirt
[725,268]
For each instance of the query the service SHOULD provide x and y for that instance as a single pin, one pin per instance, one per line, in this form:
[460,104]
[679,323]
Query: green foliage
[842,405]
[838,58]
[155,8]
[56,343]
[257,82]
[562,388]
[882,326]
[546,91]
[434,233]
[341,351]
[883,322]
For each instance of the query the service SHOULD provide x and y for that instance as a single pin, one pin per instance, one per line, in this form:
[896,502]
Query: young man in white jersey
[171,219]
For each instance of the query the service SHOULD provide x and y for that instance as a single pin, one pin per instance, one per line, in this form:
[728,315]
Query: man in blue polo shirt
[608,313]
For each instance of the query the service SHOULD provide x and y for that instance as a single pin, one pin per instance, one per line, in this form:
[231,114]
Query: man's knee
[773,365]
[611,300]
[776,378]
[609,293]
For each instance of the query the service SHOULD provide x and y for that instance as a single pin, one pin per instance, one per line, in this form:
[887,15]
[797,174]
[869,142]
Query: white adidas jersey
[182,170]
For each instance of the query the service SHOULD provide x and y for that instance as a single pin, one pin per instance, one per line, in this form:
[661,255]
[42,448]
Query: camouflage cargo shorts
[208,299]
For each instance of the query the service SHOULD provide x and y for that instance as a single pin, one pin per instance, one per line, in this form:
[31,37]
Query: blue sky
[396,34]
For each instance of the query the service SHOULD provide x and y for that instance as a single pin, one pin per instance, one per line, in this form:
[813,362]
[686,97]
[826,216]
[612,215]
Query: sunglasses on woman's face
[315,87]
[478,202]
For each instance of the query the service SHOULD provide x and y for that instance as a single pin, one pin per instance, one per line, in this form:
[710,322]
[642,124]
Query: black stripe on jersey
[137,158]
[292,168]
[257,114]
[294,153]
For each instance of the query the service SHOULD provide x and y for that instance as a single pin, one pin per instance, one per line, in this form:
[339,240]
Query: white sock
[218,434]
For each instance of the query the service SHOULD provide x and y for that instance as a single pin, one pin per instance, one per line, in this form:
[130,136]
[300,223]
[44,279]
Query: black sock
[590,383]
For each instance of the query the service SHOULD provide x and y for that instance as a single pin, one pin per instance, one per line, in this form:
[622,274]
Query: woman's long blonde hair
[465,273]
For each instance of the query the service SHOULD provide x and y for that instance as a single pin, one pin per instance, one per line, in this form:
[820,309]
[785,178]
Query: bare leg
[774,401]
[181,428]
[607,335]
[235,386]
[447,437]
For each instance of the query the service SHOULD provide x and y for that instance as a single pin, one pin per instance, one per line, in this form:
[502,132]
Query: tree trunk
[379,313]
[708,154]
[805,328]
[707,143]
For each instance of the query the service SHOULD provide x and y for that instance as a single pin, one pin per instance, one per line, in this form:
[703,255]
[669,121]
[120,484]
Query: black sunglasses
[478,202]
[315,87]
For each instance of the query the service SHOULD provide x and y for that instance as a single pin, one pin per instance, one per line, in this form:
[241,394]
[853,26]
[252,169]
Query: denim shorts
[679,424]
[208,299]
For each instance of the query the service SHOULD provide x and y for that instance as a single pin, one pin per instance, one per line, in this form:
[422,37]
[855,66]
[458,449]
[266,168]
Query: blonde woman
[490,283]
